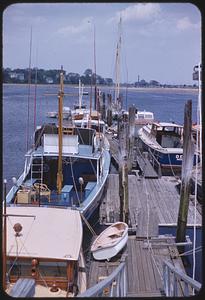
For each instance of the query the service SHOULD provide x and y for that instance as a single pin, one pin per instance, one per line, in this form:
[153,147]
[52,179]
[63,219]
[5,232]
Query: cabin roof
[54,233]
[145,114]
[166,124]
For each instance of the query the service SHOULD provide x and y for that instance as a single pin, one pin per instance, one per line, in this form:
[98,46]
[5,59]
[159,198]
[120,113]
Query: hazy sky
[160,41]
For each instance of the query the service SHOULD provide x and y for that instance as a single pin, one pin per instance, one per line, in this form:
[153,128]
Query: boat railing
[115,285]
[153,161]
[173,276]
[14,189]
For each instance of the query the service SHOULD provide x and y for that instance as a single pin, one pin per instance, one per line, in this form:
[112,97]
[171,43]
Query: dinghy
[110,241]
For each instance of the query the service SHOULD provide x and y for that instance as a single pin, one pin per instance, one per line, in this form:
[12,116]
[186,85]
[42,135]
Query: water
[166,105]
[189,258]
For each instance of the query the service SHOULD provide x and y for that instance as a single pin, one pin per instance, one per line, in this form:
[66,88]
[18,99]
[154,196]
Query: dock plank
[144,267]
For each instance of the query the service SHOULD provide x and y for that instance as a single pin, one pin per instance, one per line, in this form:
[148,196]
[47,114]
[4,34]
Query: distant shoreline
[140,89]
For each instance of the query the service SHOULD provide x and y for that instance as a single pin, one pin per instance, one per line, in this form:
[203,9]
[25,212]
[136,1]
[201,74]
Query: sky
[160,41]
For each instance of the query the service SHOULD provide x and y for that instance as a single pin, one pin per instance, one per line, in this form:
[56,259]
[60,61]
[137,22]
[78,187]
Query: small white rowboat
[110,241]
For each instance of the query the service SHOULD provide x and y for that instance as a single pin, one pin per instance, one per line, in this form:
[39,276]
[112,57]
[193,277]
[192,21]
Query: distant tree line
[52,77]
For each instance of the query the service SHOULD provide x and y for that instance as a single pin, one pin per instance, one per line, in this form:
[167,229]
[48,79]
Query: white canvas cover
[70,144]
[54,233]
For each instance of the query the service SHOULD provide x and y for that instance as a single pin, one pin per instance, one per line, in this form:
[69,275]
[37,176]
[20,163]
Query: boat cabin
[168,135]
[141,115]
[81,165]
[45,244]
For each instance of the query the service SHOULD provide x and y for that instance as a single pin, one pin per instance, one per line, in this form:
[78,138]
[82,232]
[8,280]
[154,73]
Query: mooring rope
[88,225]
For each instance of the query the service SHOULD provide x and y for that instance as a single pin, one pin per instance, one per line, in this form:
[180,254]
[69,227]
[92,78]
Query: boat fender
[96,143]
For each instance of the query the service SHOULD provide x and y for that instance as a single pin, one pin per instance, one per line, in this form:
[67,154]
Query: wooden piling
[187,164]
[125,192]
[123,171]
[103,107]
[109,109]
[131,136]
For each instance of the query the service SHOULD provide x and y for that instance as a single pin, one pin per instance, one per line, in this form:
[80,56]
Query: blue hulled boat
[165,142]
[67,166]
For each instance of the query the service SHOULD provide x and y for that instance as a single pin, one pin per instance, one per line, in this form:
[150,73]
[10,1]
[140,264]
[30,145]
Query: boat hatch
[70,144]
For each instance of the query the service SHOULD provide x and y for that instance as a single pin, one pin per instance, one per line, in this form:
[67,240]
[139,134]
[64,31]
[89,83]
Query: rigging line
[126,68]
[26,235]
[172,167]
[29,91]
[35,93]
[15,257]
[88,225]
[189,252]
[42,278]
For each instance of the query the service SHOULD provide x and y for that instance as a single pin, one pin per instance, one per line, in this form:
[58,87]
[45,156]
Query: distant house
[13,75]
[20,76]
[49,80]
[153,83]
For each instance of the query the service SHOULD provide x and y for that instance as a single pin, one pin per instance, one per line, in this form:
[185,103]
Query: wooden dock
[144,266]
[156,199]
[152,203]
[139,160]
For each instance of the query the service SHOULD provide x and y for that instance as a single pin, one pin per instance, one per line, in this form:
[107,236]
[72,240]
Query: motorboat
[67,165]
[44,252]
[164,141]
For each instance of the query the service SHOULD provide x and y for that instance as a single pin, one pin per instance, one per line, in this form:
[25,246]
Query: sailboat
[67,166]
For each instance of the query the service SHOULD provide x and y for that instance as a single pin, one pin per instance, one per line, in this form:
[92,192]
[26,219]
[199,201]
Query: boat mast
[117,71]
[95,69]
[60,133]
[80,94]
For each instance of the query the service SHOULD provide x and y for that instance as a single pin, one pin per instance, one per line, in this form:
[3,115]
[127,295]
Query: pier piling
[131,136]
[187,164]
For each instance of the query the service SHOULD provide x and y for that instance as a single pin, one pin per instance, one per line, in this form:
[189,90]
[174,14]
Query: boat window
[46,270]
[169,141]
[148,116]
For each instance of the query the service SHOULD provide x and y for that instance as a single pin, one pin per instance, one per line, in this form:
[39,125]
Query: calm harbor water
[165,104]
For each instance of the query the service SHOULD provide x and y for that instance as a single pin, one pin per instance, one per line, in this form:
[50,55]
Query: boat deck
[84,151]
